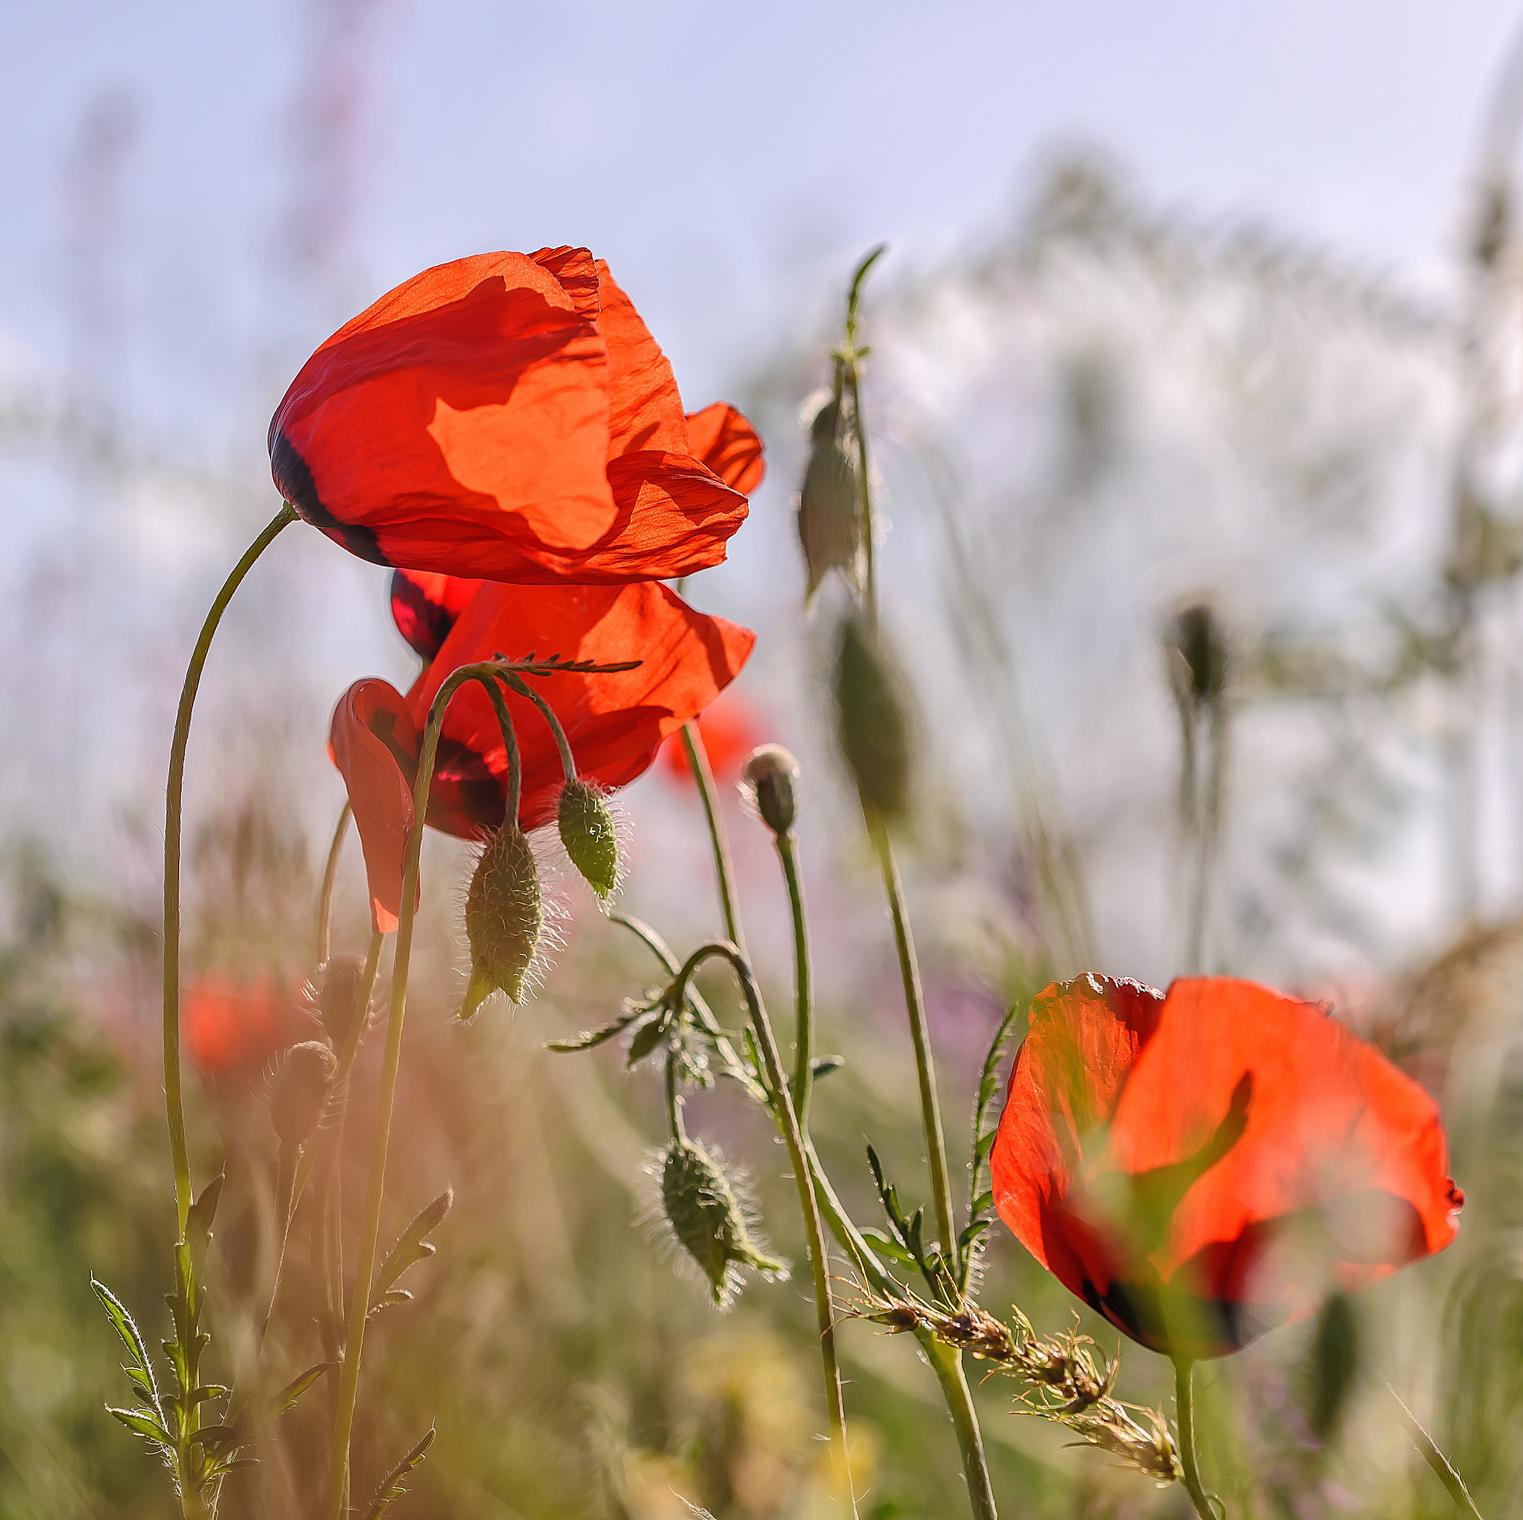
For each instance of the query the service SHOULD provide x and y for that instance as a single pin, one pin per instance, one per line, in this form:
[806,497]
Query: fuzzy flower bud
[589,836]
[829,512]
[300,1093]
[504,918]
[334,994]
[708,1220]
[872,724]
[769,780]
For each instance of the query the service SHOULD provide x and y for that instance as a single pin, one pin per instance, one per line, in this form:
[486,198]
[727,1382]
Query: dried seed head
[829,511]
[300,1092]
[769,779]
[504,918]
[708,1220]
[1196,648]
[872,724]
[334,994]
[589,836]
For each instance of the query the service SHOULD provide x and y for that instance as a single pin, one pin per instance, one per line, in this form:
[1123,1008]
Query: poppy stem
[174,1100]
[364,1271]
[724,870]
[799,1158]
[330,878]
[517,684]
[1184,1400]
[803,982]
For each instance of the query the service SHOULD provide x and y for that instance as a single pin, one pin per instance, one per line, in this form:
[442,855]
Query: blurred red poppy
[1202,1166]
[425,605]
[729,731]
[615,723]
[507,416]
[234,1028]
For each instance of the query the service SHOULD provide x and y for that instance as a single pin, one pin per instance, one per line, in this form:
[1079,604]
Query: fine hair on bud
[300,1091]
[709,1219]
[769,782]
[590,837]
[334,993]
[873,725]
[504,918]
[829,507]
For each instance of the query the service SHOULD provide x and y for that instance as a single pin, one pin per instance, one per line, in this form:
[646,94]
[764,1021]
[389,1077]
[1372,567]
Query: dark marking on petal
[294,482]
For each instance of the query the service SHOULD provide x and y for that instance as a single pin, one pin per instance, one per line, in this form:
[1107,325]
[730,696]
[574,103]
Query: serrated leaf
[589,1039]
[298,1385]
[142,1422]
[394,1484]
[412,1244]
[141,1369]
[981,1197]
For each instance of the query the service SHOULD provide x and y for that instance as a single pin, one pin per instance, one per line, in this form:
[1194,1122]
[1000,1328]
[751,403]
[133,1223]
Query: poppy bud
[333,996]
[300,1092]
[504,917]
[872,725]
[770,782]
[708,1220]
[589,836]
[829,512]
[1197,652]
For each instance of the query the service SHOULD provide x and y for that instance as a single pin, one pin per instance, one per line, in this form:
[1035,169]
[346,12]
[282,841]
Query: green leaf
[198,1223]
[141,1368]
[885,1246]
[142,1422]
[647,1037]
[591,1038]
[214,1436]
[394,1484]
[412,1244]
[298,1385]
[393,1299]
[985,1130]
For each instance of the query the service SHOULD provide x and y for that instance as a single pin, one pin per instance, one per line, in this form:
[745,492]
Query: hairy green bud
[589,836]
[872,723]
[829,509]
[300,1093]
[769,779]
[334,994]
[504,918]
[709,1221]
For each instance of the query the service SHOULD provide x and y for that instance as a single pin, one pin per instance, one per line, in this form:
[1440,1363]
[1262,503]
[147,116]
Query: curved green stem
[330,877]
[557,732]
[798,1156]
[803,980]
[724,870]
[364,1271]
[1184,1400]
[174,1100]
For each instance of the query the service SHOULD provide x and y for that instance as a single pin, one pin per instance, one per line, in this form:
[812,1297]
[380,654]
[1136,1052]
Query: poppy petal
[727,443]
[615,722]
[371,737]
[644,406]
[424,607]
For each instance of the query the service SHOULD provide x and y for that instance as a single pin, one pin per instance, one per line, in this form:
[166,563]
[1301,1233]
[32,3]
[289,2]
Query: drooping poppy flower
[234,1029]
[615,723]
[1201,1166]
[507,416]
[425,605]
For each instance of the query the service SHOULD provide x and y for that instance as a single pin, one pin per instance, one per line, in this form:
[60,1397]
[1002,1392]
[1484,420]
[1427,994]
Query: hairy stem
[803,982]
[1184,1400]
[798,1156]
[724,871]
[330,877]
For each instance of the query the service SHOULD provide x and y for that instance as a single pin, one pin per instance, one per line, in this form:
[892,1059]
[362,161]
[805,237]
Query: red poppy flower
[615,723]
[729,732]
[425,606]
[1200,1166]
[508,416]
[236,1028]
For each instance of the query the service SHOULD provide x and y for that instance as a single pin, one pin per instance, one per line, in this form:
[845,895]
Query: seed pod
[300,1093]
[770,782]
[336,989]
[872,724]
[829,509]
[1197,652]
[708,1220]
[504,918]
[589,836]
